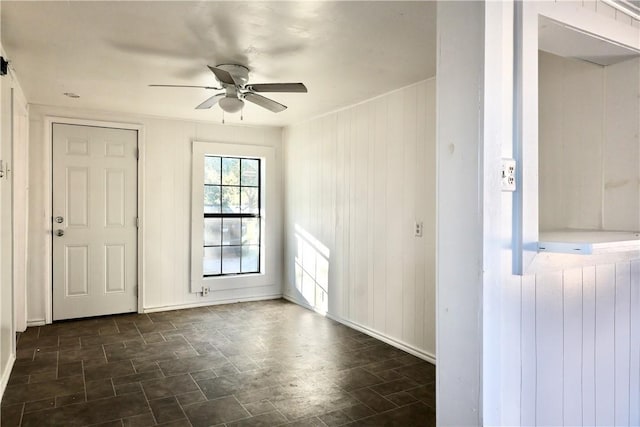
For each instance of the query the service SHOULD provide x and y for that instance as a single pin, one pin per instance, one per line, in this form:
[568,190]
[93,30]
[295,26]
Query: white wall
[356,181]
[589,147]
[167,201]
[621,147]
[564,345]
[7,331]
[12,105]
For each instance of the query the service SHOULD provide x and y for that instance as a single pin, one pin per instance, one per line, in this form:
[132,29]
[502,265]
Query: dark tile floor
[251,364]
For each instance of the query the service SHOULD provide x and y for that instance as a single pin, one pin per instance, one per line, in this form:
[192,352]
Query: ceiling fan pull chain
[222,116]
[242,114]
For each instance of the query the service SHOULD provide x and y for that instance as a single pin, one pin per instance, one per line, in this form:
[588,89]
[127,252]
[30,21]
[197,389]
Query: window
[236,218]
[232,224]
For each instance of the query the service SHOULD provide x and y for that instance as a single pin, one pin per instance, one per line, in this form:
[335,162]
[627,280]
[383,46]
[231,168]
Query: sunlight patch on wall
[312,270]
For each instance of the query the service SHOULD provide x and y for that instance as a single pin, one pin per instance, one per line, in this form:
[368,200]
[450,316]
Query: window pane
[230,199]
[249,172]
[231,231]
[211,261]
[212,199]
[231,259]
[212,231]
[230,171]
[212,170]
[250,200]
[250,259]
[250,231]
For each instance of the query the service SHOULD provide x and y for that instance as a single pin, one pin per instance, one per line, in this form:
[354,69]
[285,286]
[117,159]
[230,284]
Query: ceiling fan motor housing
[239,73]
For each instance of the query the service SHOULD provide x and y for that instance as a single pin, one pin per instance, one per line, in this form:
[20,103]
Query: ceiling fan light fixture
[231,105]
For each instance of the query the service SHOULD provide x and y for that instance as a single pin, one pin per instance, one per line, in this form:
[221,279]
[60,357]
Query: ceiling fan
[233,79]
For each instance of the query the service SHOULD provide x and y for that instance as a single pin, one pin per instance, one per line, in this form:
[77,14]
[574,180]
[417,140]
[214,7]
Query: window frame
[270,222]
[240,215]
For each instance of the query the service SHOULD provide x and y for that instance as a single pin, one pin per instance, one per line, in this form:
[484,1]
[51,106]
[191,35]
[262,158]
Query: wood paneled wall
[580,346]
[356,182]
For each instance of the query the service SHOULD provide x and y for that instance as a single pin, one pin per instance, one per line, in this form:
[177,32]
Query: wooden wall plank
[605,345]
[380,215]
[634,351]
[395,159]
[572,347]
[421,194]
[588,346]
[528,388]
[549,348]
[408,216]
[371,207]
[622,343]
[361,218]
[429,197]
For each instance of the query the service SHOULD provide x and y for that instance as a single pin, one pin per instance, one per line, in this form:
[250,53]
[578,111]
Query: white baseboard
[371,332]
[35,322]
[4,380]
[208,303]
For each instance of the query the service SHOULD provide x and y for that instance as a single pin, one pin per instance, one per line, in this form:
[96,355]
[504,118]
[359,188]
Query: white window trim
[268,241]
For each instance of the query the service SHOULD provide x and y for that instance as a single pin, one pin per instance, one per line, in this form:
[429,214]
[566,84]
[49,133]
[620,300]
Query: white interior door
[94,221]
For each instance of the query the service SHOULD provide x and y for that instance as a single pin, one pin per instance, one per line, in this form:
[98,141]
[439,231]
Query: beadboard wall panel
[580,346]
[356,181]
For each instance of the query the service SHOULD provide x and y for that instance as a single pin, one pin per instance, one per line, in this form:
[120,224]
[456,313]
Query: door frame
[48,136]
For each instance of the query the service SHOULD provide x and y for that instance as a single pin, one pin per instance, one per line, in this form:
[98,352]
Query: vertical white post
[460,180]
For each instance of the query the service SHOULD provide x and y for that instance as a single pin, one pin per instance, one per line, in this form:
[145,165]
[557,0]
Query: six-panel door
[94,221]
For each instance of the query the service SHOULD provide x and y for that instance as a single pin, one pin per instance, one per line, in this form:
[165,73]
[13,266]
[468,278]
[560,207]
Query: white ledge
[564,249]
[588,242]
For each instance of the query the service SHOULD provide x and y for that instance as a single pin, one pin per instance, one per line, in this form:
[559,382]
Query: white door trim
[48,181]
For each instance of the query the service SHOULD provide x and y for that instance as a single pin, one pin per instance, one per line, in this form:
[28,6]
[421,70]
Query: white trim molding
[4,380]
[211,303]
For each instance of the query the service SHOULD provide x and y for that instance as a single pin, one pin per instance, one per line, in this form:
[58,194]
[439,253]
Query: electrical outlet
[205,291]
[508,175]
[418,229]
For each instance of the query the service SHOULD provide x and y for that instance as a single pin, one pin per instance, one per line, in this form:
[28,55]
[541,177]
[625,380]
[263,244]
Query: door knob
[59,219]
[59,232]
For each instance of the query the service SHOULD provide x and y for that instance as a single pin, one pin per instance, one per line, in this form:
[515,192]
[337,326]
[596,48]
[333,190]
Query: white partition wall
[562,344]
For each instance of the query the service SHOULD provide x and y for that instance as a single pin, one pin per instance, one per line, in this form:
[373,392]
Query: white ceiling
[108,52]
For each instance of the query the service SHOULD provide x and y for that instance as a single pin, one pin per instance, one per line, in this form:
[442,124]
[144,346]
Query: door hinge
[137,154]
[137,222]
[4,169]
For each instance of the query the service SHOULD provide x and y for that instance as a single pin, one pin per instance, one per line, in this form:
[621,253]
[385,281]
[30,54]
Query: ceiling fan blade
[278,87]
[222,75]
[263,102]
[199,87]
[210,102]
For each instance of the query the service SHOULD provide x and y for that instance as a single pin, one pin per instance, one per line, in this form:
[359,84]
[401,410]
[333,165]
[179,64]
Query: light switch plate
[508,175]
